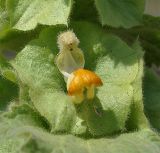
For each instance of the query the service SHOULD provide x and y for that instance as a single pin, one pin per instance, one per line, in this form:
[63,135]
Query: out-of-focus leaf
[8,92]
[149,36]
[121,13]
[152,22]
[152,97]
[7,71]
[79,11]
[14,41]
[8,89]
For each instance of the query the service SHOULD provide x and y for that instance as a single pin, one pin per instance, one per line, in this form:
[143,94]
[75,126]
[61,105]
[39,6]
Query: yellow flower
[80,80]
[70,61]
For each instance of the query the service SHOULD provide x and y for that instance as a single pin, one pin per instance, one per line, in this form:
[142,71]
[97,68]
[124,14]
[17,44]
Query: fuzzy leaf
[28,139]
[4,21]
[22,115]
[118,65]
[122,13]
[26,14]
[19,116]
[23,130]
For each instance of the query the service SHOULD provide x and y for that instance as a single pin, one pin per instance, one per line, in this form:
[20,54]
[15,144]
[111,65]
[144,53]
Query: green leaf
[4,21]
[28,139]
[7,71]
[13,41]
[122,13]
[44,77]
[151,21]
[23,130]
[8,92]
[22,115]
[119,66]
[149,36]
[151,97]
[26,14]
[79,13]
[137,115]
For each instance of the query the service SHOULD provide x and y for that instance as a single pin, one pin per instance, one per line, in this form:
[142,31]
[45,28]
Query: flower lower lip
[80,80]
